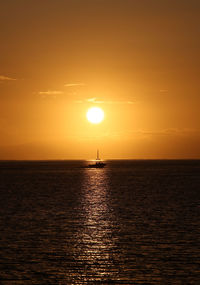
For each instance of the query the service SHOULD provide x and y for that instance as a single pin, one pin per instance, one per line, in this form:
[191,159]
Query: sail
[98,163]
[97,155]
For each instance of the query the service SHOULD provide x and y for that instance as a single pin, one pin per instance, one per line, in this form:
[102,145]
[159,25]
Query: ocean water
[133,222]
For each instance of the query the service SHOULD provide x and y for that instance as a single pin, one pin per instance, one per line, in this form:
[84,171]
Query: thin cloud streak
[50,92]
[115,102]
[146,134]
[166,132]
[74,84]
[95,101]
[6,78]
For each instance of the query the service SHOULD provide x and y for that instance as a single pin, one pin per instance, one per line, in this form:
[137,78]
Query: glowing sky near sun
[138,61]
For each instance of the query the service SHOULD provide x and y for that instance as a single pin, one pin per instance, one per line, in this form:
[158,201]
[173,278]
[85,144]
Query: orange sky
[137,60]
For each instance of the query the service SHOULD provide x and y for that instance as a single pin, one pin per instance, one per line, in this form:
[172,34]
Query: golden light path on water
[98,250]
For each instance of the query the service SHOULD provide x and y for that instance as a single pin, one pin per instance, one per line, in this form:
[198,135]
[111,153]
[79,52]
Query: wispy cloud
[149,134]
[167,132]
[6,78]
[154,134]
[50,92]
[74,84]
[94,100]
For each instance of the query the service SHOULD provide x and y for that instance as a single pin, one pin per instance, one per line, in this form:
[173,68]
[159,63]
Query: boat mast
[98,155]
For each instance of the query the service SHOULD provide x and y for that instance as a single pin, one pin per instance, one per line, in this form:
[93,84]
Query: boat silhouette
[98,162]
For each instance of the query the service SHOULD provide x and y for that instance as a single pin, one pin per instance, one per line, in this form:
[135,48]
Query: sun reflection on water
[98,251]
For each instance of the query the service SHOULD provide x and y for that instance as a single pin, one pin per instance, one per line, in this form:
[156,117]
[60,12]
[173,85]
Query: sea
[132,222]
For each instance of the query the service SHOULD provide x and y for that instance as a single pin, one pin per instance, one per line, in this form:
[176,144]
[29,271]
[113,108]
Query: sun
[95,115]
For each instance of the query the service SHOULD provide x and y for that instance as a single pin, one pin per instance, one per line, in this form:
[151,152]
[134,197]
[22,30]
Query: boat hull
[97,165]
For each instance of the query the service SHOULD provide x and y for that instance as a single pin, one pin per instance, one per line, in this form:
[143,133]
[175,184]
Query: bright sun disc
[95,115]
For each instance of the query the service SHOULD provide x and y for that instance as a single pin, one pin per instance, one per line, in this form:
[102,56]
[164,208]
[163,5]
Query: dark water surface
[133,222]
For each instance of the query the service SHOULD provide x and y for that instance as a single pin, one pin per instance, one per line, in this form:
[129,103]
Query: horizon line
[110,159]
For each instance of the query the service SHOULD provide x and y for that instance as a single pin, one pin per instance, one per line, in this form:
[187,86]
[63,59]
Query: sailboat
[98,163]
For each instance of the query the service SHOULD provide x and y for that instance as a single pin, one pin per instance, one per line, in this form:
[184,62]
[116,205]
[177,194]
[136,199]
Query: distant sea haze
[132,222]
